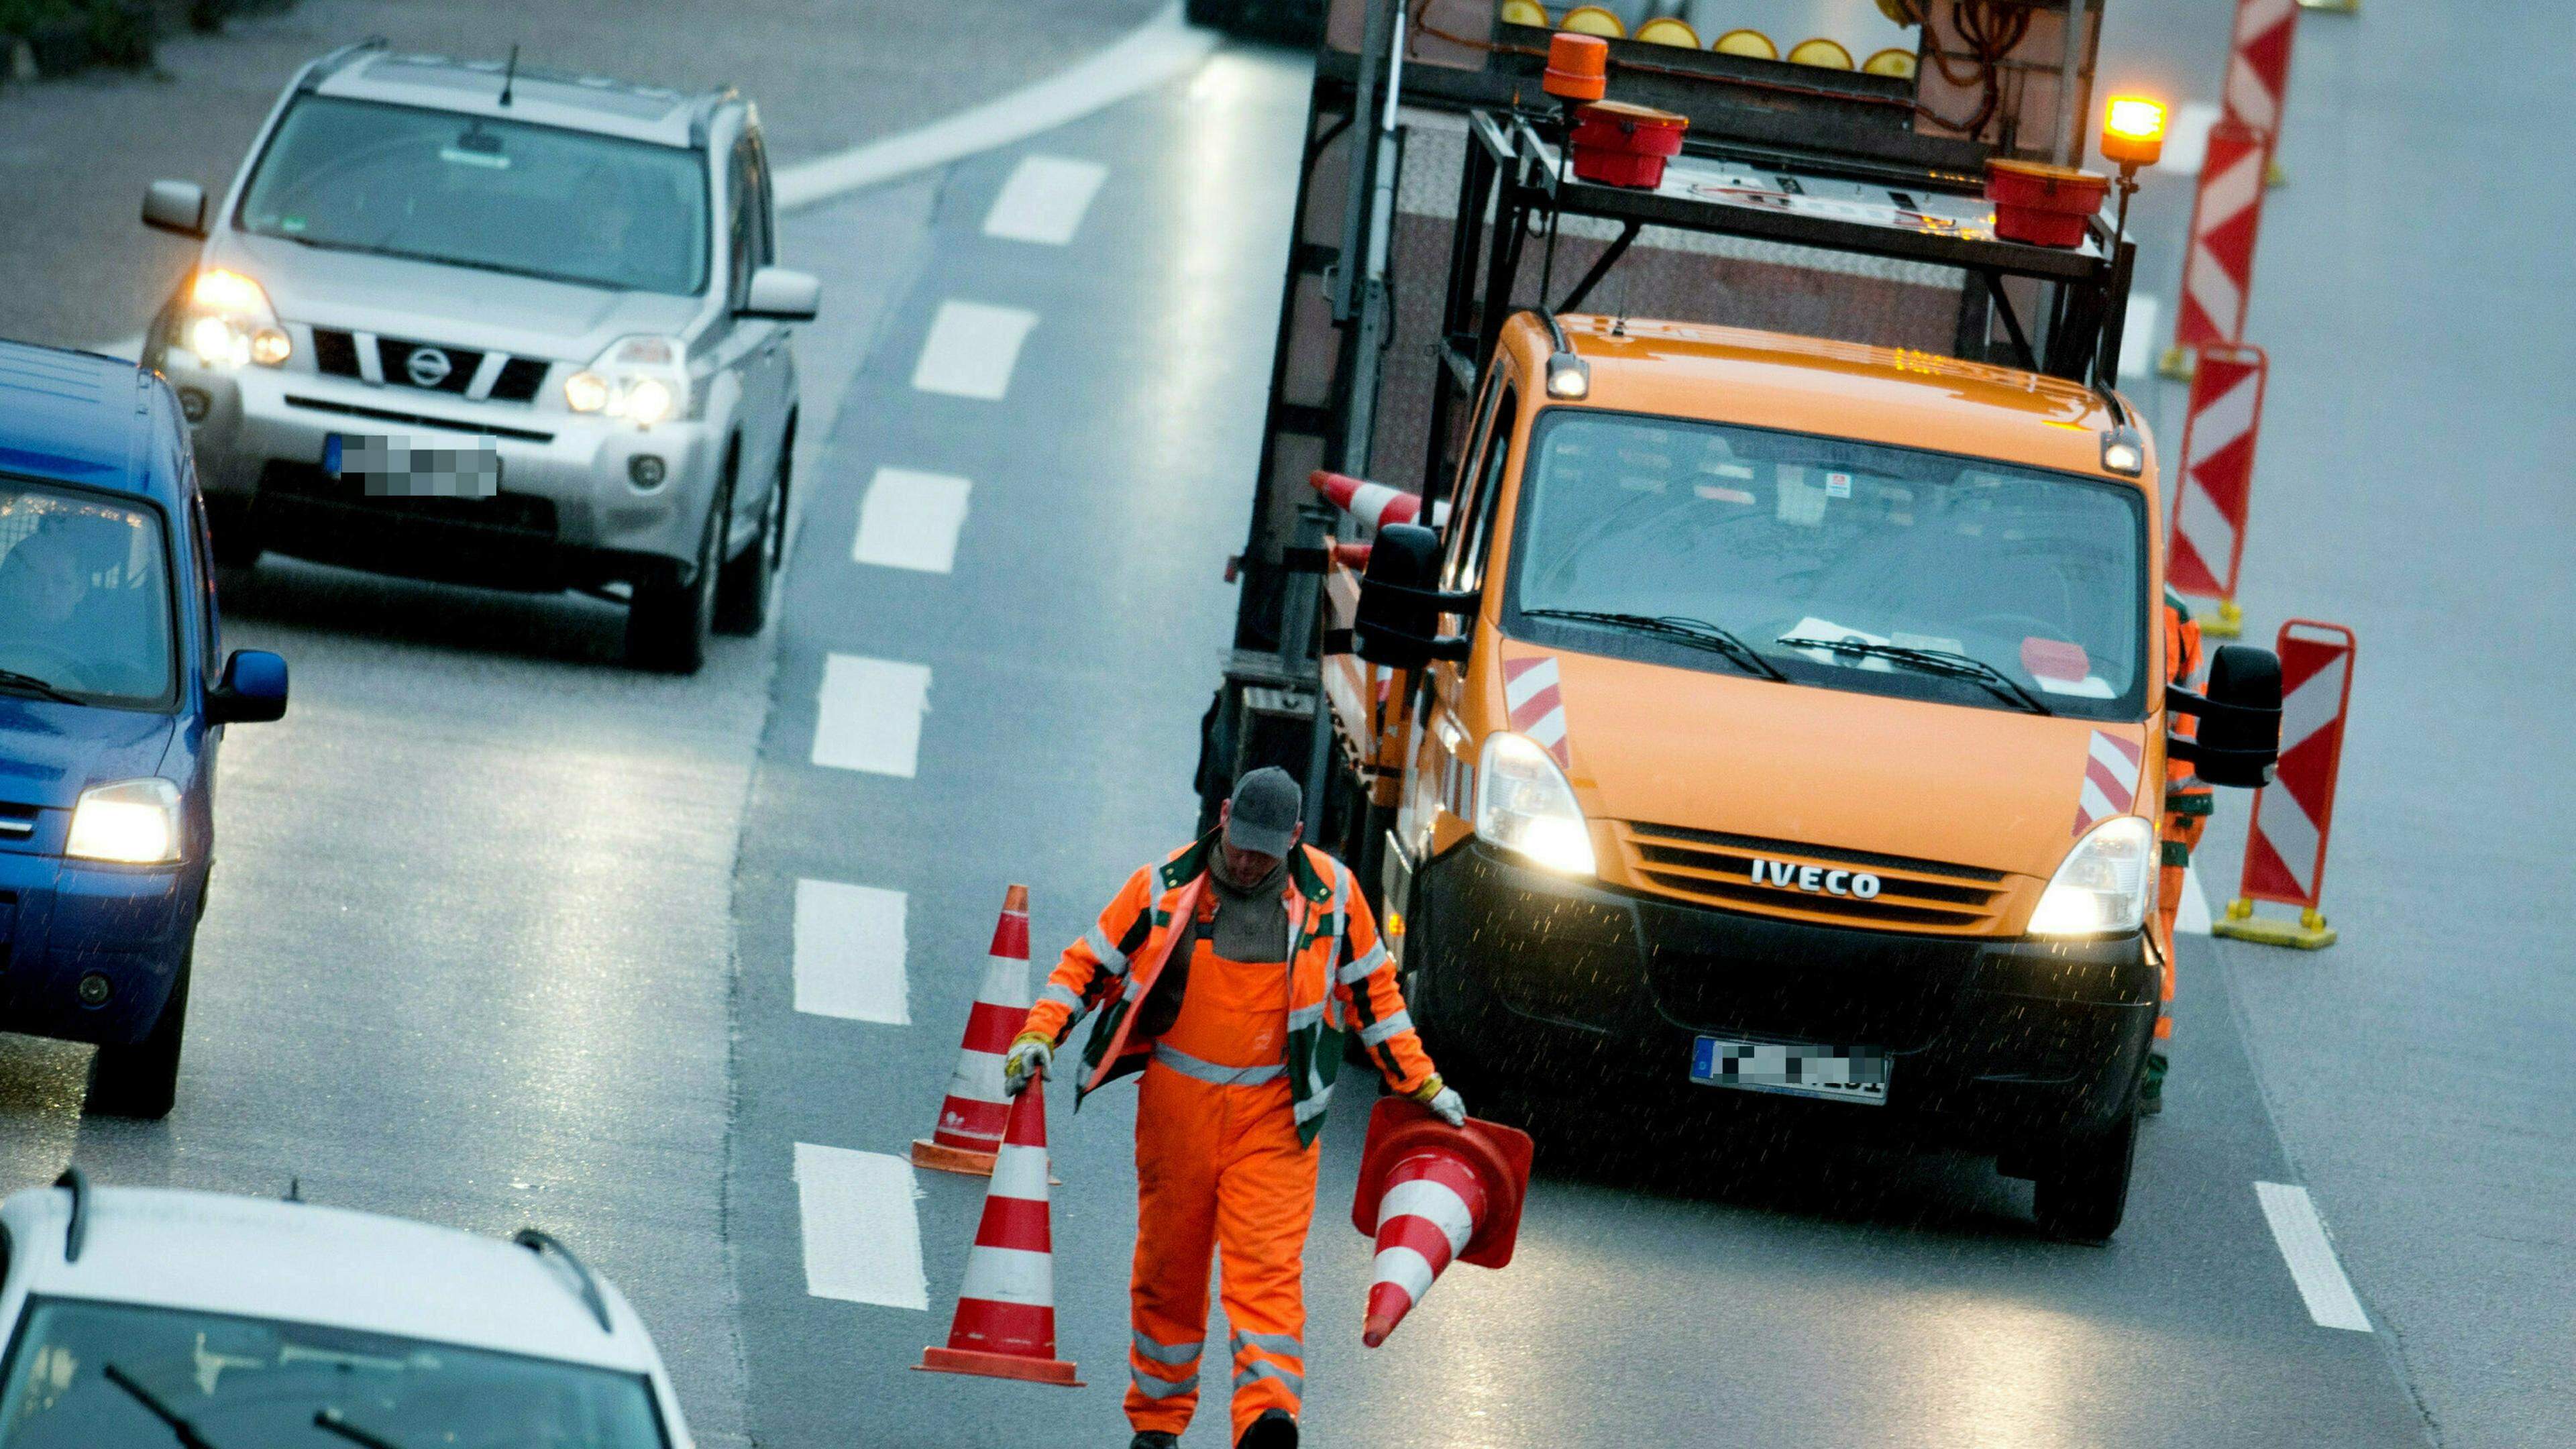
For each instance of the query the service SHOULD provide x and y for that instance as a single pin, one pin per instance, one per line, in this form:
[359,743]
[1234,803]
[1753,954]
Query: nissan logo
[427,367]
[1818,879]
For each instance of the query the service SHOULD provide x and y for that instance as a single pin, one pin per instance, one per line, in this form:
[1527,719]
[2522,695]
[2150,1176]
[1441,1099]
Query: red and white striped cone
[1431,1194]
[1005,1323]
[1374,504]
[975,1111]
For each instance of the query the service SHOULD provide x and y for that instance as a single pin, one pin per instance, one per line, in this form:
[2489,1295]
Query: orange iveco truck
[1746,710]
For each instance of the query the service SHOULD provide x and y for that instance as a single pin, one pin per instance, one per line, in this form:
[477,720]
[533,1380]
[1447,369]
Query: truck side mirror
[1400,605]
[253,690]
[176,206]
[2238,743]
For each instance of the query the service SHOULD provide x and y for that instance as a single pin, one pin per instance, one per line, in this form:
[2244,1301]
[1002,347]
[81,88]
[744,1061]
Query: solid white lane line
[910,520]
[2302,1239]
[867,715]
[1149,55]
[862,1239]
[2187,140]
[971,350]
[2138,334]
[2193,918]
[849,952]
[1045,199]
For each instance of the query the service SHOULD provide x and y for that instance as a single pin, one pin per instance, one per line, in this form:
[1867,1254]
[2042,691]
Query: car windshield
[540,201]
[1941,577]
[84,597]
[83,1374]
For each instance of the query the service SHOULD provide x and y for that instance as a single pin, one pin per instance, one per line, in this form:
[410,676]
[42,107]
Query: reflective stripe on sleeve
[1112,960]
[1359,970]
[1062,995]
[1207,1071]
[1377,1032]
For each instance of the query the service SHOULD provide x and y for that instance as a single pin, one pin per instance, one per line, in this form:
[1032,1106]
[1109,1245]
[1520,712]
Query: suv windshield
[505,196]
[83,1374]
[84,597]
[1950,578]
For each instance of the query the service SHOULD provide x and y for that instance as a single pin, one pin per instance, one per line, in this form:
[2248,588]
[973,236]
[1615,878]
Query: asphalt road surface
[502,933]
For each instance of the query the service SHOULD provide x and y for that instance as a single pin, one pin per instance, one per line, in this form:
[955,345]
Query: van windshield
[1942,577]
[84,598]
[504,196]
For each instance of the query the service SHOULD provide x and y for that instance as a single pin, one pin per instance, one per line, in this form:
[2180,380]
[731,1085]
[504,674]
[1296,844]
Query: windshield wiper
[1699,633]
[185,1432]
[30,684]
[331,1421]
[1934,661]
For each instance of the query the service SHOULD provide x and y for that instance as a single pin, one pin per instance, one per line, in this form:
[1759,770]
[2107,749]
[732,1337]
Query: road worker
[1228,975]
[2188,801]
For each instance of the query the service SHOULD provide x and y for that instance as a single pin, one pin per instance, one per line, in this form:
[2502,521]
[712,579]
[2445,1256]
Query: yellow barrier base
[2333,7]
[2308,933]
[2178,363]
[2225,622]
[2273,176]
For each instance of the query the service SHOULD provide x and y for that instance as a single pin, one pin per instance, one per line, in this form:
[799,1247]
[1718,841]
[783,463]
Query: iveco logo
[1791,877]
[427,367]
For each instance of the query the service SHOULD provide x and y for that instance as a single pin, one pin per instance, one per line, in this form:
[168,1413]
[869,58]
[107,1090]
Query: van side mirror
[176,206]
[2238,743]
[1400,605]
[253,690]
[779,295]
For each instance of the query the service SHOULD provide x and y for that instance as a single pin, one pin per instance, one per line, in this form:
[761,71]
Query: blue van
[112,703]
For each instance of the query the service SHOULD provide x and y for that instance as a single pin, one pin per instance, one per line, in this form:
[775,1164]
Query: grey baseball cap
[1266,812]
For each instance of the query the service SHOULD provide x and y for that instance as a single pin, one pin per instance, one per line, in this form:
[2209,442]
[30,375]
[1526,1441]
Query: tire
[2083,1195]
[746,583]
[231,535]
[142,1080]
[668,622]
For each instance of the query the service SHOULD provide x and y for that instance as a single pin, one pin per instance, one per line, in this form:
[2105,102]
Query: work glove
[1031,1057]
[1443,1100]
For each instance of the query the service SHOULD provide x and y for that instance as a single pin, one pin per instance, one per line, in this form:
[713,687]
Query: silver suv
[500,326]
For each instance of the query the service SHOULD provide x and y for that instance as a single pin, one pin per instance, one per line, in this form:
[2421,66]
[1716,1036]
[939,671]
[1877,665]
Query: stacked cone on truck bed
[1431,1194]
[972,1115]
[1005,1323]
[1374,504]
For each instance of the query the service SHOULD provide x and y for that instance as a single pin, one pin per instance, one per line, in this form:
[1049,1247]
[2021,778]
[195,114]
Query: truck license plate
[1836,1073]
[401,468]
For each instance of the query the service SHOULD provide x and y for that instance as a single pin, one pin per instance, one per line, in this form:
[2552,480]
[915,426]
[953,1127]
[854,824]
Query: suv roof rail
[702,118]
[76,1235]
[338,60]
[541,1242]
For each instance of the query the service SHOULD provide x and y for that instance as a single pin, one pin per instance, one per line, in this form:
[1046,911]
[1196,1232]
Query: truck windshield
[83,1374]
[504,196]
[1916,562]
[84,598]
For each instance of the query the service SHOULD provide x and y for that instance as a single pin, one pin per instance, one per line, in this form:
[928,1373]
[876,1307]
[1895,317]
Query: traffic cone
[1430,1193]
[1005,1323]
[1374,504]
[972,1117]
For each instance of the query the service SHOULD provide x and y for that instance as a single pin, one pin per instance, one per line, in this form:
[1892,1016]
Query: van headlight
[1523,804]
[2106,885]
[132,822]
[641,379]
[228,322]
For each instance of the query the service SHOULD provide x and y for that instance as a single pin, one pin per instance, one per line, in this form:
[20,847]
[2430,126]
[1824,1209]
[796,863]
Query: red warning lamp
[2133,131]
[1578,66]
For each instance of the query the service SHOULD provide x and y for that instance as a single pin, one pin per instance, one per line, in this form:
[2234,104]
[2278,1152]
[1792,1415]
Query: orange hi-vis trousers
[2179,838]
[1219,1169]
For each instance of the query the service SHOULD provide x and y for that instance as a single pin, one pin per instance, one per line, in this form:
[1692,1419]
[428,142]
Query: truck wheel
[745,584]
[2083,1195]
[142,1080]
[667,624]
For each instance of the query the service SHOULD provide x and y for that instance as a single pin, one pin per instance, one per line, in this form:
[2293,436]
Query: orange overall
[2187,807]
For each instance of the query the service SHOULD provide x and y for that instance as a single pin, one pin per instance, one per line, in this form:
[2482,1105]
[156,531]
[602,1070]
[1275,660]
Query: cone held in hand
[1005,1323]
[1430,1194]
[972,1115]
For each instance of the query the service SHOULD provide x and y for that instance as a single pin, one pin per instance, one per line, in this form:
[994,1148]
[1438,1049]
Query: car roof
[538,95]
[307,1263]
[79,417]
[1838,389]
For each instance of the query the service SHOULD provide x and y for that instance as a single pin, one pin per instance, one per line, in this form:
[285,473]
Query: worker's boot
[2151,1092]
[1154,1439]
[1275,1429]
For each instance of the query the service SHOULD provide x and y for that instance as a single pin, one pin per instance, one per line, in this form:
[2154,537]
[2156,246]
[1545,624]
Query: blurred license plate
[402,468]
[1838,1073]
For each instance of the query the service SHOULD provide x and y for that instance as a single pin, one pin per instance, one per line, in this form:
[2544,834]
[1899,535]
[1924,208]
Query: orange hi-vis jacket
[1339,978]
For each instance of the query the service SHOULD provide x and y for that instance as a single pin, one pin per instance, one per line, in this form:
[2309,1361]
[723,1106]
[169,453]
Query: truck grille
[336,353]
[1719,869]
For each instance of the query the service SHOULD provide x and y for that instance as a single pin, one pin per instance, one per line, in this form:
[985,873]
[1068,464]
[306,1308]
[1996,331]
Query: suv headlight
[228,322]
[2106,885]
[132,822]
[1523,804]
[641,379]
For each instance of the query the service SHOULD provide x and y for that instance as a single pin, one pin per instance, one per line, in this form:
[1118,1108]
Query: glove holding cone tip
[1031,1057]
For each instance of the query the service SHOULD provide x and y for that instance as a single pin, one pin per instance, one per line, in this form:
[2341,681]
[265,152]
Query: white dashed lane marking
[867,715]
[972,349]
[910,520]
[1044,200]
[850,952]
[2301,1235]
[862,1236]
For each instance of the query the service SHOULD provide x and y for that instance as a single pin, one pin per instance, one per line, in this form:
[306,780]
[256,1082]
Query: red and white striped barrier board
[1005,1323]
[1536,705]
[972,1115]
[2215,493]
[1431,1194]
[2285,845]
[2218,270]
[2110,780]
[2258,63]
[1374,504]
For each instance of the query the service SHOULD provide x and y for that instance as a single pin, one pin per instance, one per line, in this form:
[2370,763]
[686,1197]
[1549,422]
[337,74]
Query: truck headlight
[1523,804]
[2106,885]
[641,379]
[132,822]
[228,322]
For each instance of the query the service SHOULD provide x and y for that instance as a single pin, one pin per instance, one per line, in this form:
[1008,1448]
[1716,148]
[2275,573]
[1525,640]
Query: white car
[140,1317]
